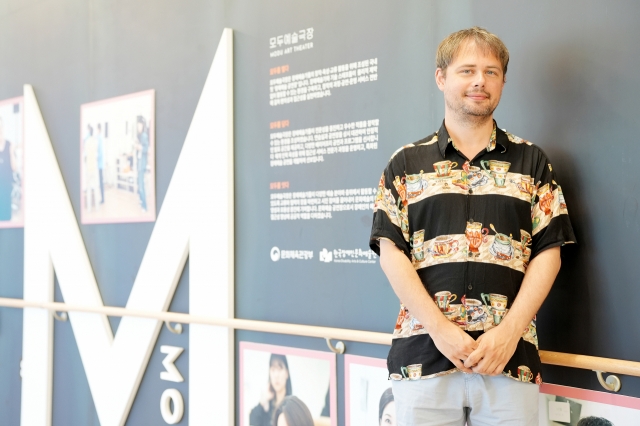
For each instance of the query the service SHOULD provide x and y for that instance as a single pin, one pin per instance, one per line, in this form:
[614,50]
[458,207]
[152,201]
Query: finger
[484,366]
[470,342]
[474,358]
[494,368]
[470,363]
[498,363]
[469,349]
[460,365]
[478,368]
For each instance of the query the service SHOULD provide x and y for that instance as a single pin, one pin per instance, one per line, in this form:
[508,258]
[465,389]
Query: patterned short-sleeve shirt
[470,228]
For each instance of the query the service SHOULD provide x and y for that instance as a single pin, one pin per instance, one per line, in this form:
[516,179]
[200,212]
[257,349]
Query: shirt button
[470,287]
[471,191]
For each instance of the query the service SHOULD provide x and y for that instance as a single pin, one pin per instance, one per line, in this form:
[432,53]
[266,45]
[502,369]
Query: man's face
[472,83]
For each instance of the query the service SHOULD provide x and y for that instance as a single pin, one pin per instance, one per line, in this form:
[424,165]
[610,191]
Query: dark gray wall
[572,89]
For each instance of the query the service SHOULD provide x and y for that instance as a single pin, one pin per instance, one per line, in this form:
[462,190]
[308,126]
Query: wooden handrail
[610,365]
[586,362]
[235,323]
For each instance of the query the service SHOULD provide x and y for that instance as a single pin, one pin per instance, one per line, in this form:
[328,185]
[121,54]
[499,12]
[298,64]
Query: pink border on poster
[360,360]
[150,216]
[286,350]
[590,395]
[18,223]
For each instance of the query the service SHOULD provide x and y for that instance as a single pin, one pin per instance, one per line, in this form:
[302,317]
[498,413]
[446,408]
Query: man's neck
[470,136]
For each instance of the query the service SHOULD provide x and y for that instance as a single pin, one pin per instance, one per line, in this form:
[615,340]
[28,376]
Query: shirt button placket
[466,264]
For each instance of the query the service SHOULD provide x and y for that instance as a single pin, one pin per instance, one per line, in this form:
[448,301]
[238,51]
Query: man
[471,250]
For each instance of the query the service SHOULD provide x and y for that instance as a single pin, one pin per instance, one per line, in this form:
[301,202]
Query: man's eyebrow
[475,66]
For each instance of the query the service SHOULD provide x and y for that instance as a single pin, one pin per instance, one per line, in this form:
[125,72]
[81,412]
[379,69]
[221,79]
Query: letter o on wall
[165,406]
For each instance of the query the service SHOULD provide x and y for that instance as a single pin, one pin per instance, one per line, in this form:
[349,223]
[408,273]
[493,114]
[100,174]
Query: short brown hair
[449,47]
[295,412]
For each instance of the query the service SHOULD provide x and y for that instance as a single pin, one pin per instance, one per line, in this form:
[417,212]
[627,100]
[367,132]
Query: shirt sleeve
[549,215]
[390,211]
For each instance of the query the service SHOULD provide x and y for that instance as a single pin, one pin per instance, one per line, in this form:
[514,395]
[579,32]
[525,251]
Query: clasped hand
[487,355]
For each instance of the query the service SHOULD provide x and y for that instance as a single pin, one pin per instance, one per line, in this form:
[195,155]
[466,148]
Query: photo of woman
[284,386]
[292,412]
[279,386]
[369,399]
[387,409]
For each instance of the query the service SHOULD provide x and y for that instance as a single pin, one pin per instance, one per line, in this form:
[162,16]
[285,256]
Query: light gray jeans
[459,398]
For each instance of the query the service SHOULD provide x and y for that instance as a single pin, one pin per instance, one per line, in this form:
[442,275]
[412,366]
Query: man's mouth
[476,96]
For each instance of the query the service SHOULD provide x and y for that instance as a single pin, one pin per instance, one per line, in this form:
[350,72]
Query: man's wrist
[513,326]
[438,323]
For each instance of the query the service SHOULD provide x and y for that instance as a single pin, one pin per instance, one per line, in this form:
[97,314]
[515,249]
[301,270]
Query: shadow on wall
[590,96]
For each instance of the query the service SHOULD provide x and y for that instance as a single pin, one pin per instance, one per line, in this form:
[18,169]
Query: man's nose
[479,80]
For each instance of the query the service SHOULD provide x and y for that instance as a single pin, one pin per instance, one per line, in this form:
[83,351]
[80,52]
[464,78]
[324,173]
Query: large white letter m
[196,220]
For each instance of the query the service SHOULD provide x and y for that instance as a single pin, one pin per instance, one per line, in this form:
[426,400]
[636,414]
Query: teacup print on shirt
[501,247]
[443,168]
[547,202]
[415,184]
[407,325]
[401,189]
[476,314]
[444,246]
[476,235]
[474,246]
[417,246]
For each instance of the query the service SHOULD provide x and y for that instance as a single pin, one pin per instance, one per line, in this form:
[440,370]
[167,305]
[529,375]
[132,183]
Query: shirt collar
[498,138]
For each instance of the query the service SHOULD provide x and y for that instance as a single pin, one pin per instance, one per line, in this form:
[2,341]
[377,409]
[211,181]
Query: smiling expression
[472,83]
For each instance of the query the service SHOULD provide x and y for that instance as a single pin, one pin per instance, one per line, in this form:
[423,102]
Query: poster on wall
[368,396]
[286,386]
[313,138]
[11,163]
[563,405]
[117,145]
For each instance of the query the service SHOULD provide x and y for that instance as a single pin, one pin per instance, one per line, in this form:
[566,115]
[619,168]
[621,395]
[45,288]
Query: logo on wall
[275,254]
[348,256]
[326,256]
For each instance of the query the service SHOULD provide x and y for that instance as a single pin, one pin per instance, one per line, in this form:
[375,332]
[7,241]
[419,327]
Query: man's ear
[441,76]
